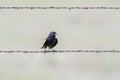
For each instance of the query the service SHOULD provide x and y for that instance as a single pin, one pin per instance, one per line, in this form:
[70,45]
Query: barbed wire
[62,51]
[55,7]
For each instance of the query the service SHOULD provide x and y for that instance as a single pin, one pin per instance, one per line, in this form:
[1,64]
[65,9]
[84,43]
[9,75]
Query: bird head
[53,33]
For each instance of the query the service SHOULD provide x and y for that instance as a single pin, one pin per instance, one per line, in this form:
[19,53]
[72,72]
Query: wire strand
[62,51]
[56,7]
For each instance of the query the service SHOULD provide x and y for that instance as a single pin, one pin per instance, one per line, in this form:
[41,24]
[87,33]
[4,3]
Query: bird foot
[53,51]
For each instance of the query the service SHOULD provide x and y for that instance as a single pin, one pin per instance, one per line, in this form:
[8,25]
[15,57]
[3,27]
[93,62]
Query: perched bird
[51,41]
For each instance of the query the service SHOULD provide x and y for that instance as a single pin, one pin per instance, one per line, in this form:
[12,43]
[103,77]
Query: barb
[55,7]
[62,51]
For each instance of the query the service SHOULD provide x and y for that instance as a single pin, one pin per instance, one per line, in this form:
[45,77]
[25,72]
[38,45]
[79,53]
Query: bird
[51,41]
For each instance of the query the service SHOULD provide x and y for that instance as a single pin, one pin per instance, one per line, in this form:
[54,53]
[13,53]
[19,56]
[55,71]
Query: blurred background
[76,29]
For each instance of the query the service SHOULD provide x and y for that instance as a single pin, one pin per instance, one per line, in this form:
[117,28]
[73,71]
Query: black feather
[51,41]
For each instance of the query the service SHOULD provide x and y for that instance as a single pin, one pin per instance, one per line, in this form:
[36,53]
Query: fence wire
[62,51]
[56,7]
[59,8]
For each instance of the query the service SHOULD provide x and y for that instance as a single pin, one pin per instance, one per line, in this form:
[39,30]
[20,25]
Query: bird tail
[43,47]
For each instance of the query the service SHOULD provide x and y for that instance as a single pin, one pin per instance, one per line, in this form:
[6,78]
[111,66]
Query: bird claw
[53,51]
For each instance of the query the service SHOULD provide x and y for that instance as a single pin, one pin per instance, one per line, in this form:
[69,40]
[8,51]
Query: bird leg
[45,50]
[53,51]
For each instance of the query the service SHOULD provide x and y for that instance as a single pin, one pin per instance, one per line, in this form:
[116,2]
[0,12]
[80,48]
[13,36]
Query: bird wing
[53,43]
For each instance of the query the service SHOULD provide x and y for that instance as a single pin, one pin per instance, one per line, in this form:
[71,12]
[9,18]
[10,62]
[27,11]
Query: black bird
[51,41]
